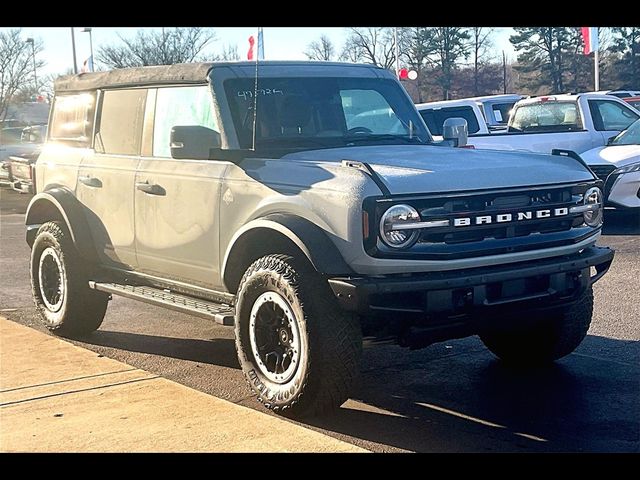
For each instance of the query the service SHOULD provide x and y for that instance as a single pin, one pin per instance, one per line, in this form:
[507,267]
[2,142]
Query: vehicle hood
[406,169]
[618,155]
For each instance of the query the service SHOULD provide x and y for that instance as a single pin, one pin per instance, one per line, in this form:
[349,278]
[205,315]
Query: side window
[121,118]
[72,118]
[609,115]
[180,106]
[434,118]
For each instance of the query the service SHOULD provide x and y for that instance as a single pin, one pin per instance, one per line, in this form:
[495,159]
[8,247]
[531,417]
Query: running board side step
[222,314]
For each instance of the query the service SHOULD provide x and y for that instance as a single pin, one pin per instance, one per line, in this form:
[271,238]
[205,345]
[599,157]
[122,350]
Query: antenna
[258,52]
[255,107]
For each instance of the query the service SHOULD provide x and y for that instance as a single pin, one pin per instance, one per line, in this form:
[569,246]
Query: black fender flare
[308,237]
[60,204]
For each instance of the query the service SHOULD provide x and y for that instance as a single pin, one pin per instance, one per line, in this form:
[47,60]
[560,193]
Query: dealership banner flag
[256,42]
[590,38]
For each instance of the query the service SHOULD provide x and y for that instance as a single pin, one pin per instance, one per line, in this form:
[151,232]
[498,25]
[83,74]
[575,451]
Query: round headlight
[395,225]
[593,216]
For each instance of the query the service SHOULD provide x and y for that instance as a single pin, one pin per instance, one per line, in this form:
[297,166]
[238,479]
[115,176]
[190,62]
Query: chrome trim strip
[418,225]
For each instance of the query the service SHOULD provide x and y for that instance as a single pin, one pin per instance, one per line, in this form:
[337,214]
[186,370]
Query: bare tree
[481,47]
[16,66]
[370,45]
[229,53]
[177,45]
[321,49]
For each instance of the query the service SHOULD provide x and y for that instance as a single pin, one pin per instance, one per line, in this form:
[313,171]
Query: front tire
[59,284]
[543,339]
[298,350]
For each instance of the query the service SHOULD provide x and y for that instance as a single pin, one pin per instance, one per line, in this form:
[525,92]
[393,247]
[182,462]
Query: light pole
[88,30]
[33,54]
[73,46]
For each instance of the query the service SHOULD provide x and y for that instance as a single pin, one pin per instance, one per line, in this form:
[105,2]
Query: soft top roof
[178,73]
[168,74]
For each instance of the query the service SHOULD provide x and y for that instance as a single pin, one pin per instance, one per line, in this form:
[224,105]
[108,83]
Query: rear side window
[180,106]
[435,118]
[121,118]
[72,118]
[609,115]
[502,112]
[546,117]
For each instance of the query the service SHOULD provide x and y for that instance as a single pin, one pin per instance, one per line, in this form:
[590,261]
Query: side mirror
[193,142]
[455,130]
[611,139]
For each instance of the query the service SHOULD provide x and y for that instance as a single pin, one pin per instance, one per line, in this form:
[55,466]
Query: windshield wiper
[382,136]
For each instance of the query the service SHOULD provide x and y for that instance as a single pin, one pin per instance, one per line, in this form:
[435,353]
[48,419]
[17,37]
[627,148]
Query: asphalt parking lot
[450,397]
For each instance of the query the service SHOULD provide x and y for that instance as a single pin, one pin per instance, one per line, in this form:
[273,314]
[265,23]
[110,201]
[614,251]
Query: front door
[176,201]
[107,176]
[611,117]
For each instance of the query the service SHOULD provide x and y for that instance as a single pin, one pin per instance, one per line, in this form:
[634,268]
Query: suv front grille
[492,223]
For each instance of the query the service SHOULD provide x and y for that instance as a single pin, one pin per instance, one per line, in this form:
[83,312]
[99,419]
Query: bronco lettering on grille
[510,217]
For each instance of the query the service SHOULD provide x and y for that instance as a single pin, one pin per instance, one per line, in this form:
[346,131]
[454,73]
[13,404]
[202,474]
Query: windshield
[547,116]
[323,112]
[630,136]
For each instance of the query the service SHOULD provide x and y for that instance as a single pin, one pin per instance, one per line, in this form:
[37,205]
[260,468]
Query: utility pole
[73,45]
[504,72]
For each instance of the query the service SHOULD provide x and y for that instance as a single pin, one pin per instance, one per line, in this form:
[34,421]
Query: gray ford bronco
[306,205]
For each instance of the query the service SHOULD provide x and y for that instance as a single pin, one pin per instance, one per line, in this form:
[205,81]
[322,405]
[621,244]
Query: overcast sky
[280,43]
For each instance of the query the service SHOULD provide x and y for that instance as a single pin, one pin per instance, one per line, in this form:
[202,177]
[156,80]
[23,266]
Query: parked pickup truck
[570,122]
[287,206]
[484,115]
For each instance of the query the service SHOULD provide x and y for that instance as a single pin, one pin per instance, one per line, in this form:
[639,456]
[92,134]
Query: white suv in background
[618,164]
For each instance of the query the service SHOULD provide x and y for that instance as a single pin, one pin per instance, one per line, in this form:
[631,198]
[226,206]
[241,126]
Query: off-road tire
[80,310]
[330,339]
[544,339]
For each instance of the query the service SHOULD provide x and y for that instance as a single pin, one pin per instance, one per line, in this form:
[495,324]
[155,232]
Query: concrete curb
[57,397]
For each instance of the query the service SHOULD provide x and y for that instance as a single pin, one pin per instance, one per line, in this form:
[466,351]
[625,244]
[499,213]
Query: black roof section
[163,74]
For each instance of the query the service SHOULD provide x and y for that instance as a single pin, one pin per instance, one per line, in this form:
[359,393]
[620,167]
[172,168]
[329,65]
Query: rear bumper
[554,279]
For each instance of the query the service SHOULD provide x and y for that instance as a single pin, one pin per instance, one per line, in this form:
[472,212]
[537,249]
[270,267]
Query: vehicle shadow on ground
[217,351]
[621,223]
[470,402]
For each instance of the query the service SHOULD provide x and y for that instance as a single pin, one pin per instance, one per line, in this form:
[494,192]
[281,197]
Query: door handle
[90,181]
[151,188]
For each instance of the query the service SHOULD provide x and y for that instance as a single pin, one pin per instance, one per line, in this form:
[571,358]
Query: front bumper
[556,279]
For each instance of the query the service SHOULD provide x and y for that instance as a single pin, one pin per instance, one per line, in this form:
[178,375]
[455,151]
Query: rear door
[177,200]
[107,175]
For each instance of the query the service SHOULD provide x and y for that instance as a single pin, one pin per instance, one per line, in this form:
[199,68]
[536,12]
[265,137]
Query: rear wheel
[298,350]
[59,284]
[544,338]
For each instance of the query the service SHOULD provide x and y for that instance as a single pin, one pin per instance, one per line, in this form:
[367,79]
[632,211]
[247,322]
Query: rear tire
[59,284]
[299,351]
[543,339]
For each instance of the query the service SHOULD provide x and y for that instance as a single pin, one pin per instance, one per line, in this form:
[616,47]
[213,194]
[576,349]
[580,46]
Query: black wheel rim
[274,337]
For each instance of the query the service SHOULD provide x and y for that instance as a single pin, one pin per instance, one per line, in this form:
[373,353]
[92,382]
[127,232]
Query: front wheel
[298,350]
[544,338]
[59,284]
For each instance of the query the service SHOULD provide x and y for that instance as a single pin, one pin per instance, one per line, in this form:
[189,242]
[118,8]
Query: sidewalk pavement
[57,397]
